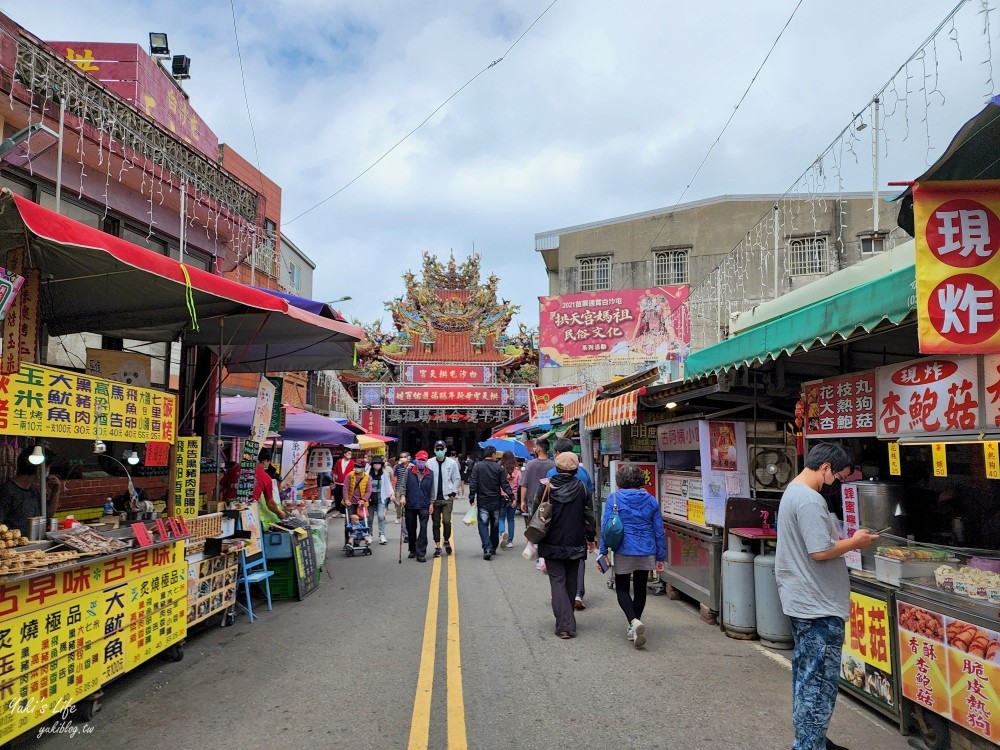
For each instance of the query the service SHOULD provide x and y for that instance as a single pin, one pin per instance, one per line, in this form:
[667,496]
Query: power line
[246,98]
[423,122]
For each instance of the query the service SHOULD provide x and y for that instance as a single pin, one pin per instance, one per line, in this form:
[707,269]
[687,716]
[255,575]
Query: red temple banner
[371,421]
[432,395]
[464,374]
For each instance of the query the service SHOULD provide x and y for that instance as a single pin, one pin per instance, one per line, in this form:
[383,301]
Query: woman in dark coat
[570,537]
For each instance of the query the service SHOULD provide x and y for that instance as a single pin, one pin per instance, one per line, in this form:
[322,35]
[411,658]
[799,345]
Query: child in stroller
[359,537]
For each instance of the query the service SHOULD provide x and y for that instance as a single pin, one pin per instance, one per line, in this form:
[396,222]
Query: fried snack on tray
[920,621]
[88,540]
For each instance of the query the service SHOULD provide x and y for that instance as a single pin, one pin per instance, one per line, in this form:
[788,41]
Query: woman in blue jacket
[643,546]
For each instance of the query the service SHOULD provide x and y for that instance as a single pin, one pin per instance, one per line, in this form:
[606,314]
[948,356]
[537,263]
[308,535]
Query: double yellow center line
[421,719]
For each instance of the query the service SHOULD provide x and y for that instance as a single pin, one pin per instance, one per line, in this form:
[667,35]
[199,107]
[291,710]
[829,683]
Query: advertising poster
[865,663]
[648,471]
[724,465]
[957,234]
[722,438]
[546,404]
[187,477]
[950,667]
[124,367]
[624,325]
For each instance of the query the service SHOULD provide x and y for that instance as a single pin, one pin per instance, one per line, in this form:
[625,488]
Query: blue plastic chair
[254,571]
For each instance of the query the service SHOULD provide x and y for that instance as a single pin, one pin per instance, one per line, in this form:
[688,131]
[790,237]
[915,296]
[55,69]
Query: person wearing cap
[418,504]
[447,482]
[571,535]
[565,445]
[382,489]
[486,484]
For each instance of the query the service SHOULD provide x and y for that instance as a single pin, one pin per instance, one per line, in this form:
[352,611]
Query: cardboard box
[213,506]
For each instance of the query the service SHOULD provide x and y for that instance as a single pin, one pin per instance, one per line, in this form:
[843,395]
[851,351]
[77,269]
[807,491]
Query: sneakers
[382,539]
[437,552]
[630,633]
[503,539]
[640,633]
[412,555]
[447,548]
[578,603]
[397,519]
[421,559]
[487,555]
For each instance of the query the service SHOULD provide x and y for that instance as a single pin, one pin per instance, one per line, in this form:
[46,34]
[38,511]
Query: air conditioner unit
[772,467]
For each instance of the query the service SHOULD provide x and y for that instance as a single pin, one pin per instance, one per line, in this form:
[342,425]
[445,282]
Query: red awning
[98,283]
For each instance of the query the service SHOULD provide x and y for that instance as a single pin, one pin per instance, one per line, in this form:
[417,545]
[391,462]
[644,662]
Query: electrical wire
[423,122]
[246,97]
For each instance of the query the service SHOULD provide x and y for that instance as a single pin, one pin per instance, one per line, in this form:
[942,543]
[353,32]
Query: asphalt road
[365,663]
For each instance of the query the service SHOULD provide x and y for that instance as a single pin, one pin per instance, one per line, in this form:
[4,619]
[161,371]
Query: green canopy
[885,301]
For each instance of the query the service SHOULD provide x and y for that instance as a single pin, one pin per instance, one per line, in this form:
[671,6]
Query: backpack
[613,532]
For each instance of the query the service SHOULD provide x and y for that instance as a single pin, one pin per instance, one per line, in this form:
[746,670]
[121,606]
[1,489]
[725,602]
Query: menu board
[865,663]
[304,555]
[840,407]
[950,667]
[187,476]
[46,402]
[852,521]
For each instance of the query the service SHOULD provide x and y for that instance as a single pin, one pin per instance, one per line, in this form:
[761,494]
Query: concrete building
[734,251]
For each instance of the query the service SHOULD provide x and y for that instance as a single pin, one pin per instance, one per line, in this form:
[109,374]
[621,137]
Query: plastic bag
[541,565]
[470,516]
[530,551]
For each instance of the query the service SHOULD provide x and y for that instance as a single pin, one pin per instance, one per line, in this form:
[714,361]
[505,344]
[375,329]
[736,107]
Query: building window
[807,255]
[872,244]
[670,267]
[595,274]
[294,276]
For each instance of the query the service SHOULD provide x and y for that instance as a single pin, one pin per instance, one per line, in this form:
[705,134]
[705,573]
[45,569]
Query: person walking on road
[565,445]
[569,538]
[447,481]
[643,547]
[399,486]
[815,590]
[382,491]
[508,510]
[418,502]
[486,485]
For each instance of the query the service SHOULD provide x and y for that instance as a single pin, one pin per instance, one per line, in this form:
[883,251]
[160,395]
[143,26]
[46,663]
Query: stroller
[357,537]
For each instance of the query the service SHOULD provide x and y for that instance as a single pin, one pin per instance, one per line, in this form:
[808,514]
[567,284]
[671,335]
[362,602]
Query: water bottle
[109,507]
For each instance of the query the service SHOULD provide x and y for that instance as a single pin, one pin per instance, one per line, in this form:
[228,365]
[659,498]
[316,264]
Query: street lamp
[341,299]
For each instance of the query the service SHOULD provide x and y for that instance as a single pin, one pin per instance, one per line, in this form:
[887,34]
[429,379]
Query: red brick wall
[92,493]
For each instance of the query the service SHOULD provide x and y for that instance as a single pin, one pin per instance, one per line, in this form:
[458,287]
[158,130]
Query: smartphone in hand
[603,564]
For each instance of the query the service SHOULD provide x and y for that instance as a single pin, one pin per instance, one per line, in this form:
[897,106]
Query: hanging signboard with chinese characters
[546,404]
[991,395]
[852,521]
[840,407]
[46,402]
[957,266]
[625,325]
[371,421]
[458,374]
[433,395]
[187,476]
[935,396]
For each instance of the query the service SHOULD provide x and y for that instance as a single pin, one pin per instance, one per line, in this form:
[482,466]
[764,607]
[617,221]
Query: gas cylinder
[773,625]
[738,612]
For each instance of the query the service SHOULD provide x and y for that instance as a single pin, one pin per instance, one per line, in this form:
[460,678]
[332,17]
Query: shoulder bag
[538,526]
[613,532]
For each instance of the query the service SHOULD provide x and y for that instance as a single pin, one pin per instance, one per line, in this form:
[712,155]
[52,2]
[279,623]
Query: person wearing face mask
[487,484]
[418,502]
[342,469]
[381,488]
[447,481]
[399,486]
[357,491]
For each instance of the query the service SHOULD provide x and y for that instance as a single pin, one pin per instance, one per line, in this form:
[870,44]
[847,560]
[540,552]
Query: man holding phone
[815,590]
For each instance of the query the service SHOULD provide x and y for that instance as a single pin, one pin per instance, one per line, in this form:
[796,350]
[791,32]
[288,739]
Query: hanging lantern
[320,460]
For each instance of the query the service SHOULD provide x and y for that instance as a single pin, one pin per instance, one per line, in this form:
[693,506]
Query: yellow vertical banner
[187,479]
[894,467]
[991,449]
[939,459]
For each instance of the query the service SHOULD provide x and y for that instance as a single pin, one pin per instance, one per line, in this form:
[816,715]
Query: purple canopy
[309,305]
[237,416]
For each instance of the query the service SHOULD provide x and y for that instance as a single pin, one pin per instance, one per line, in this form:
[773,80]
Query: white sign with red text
[932,396]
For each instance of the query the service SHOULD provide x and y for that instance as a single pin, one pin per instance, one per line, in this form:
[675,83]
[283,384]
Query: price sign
[990,448]
[939,459]
[894,467]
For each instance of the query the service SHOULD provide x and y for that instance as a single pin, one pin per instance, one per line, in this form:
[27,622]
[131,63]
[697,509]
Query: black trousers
[417,542]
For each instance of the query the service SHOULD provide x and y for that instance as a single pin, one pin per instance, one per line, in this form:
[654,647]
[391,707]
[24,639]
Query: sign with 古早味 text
[46,402]
[935,396]
[958,266]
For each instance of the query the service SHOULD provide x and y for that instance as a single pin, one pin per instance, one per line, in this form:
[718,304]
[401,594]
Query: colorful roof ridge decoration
[449,315]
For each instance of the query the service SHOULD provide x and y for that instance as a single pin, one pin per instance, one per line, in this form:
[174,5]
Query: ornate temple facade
[449,370]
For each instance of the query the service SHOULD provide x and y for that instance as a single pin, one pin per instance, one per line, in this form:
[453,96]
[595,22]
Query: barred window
[670,267]
[595,274]
[807,255]
[872,244]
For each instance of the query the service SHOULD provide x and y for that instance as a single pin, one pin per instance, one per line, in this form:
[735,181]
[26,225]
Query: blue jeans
[815,678]
[507,516]
[380,511]
[489,531]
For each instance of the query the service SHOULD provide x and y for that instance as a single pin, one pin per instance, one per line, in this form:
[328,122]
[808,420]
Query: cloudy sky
[602,109]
